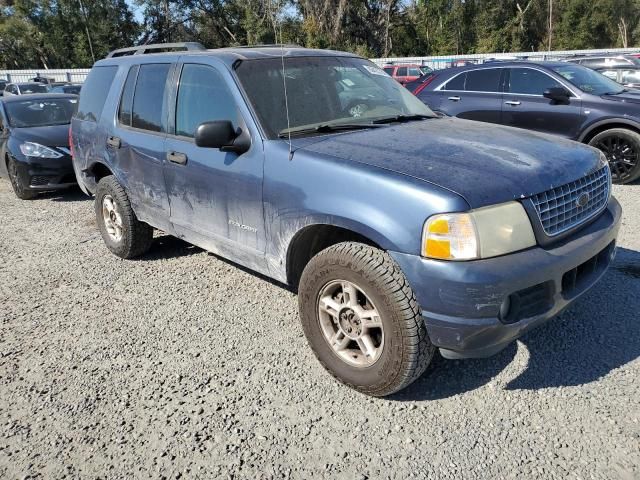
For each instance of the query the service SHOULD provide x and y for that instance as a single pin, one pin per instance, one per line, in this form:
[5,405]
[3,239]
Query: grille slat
[558,208]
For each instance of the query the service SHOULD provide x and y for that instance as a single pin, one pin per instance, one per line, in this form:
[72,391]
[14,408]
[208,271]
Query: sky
[137,11]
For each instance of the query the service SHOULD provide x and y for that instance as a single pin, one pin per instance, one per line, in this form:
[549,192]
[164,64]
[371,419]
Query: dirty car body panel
[380,183]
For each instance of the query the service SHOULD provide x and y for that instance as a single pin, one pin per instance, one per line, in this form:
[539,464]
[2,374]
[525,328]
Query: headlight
[31,149]
[482,233]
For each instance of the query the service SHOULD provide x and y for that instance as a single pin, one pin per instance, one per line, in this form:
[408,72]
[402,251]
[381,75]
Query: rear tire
[122,232]
[362,320]
[19,188]
[622,149]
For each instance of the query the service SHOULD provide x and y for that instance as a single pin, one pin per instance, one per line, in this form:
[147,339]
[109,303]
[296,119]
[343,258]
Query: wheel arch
[608,124]
[313,238]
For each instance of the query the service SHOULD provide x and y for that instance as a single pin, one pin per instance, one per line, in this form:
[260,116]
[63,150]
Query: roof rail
[157,48]
[268,45]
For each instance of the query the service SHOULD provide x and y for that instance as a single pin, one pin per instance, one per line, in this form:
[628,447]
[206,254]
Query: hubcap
[112,218]
[350,323]
[622,155]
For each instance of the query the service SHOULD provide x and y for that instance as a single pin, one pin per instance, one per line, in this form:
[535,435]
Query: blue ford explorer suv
[402,232]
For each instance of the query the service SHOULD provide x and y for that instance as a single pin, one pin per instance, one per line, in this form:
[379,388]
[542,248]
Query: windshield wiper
[402,118]
[325,127]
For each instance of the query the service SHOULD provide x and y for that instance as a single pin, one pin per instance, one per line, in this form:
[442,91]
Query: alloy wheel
[112,218]
[622,154]
[350,323]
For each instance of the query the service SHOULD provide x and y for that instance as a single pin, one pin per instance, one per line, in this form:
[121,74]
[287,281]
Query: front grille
[559,209]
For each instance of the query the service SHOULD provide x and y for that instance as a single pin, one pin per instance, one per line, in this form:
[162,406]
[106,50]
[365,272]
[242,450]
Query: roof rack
[157,48]
[268,45]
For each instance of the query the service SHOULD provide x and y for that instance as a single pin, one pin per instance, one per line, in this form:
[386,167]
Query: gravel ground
[183,365]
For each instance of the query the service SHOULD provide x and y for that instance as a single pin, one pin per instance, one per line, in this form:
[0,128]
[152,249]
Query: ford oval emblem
[582,200]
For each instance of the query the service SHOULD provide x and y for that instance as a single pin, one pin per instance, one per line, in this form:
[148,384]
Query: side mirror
[557,94]
[221,134]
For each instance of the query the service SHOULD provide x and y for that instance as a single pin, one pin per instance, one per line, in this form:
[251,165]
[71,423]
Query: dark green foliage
[60,34]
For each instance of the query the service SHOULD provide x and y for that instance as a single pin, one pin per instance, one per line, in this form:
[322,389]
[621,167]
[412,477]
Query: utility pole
[86,28]
[550,22]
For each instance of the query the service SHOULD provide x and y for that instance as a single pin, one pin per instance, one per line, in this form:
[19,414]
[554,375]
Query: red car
[405,72]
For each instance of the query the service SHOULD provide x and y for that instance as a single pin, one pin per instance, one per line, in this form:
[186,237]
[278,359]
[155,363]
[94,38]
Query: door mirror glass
[557,94]
[216,134]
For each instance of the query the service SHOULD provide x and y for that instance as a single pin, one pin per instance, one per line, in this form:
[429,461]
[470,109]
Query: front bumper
[44,174]
[461,301]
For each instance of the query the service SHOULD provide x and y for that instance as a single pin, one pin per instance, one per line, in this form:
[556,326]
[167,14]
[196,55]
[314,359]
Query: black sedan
[559,98]
[34,142]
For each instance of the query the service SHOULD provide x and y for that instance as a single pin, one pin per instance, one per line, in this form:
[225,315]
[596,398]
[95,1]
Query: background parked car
[3,84]
[605,61]
[25,88]
[560,98]
[73,88]
[34,142]
[45,80]
[627,75]
[405,73]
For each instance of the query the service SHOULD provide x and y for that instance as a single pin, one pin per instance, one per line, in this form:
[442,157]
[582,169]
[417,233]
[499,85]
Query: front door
[525,107]
[215,197]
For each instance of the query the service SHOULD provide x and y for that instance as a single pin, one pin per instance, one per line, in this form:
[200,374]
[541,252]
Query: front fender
[385,207]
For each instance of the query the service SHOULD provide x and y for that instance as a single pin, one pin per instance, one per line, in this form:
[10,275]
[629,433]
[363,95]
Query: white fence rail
[439,61]
[61,75]
[444,61]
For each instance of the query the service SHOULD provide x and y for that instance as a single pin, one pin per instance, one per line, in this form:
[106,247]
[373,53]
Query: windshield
[323,90]
[587,80]
[41,113]
[33,88]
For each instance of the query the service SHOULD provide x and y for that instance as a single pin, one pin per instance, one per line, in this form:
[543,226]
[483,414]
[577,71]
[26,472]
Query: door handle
[512,103]
[113,142]
[177,157]
[454,99]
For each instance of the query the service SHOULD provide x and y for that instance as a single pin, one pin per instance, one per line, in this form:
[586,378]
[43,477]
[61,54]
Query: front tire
[622,149]
[122,232]
[362,320]
[19,188]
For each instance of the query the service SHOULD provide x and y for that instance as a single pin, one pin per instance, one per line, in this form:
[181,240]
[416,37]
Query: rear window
[487,80]
[33,88]
[456,83]
[149,104]
[94,92]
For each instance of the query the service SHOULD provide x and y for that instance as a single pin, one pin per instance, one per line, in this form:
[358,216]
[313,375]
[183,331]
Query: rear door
[525,107]
[474,95]
[215,196]
[137,143]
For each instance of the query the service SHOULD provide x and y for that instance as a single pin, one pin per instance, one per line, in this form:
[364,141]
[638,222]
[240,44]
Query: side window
[612,74]
[415,72]
[388,70]
[631,76]
[94,92]
[456,83]
[149,105]
[203,96]
[126,100]
[402,72]
[530,82]
[592,62]
[486,80]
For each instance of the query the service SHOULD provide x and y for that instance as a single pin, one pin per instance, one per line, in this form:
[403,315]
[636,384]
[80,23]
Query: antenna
[278,23]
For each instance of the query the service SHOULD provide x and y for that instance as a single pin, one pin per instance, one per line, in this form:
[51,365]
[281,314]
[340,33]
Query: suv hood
[632,96]
[484,163]
[49,136]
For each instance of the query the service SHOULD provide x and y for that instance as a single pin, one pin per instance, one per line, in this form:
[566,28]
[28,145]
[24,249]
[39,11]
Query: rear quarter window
[94,92]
